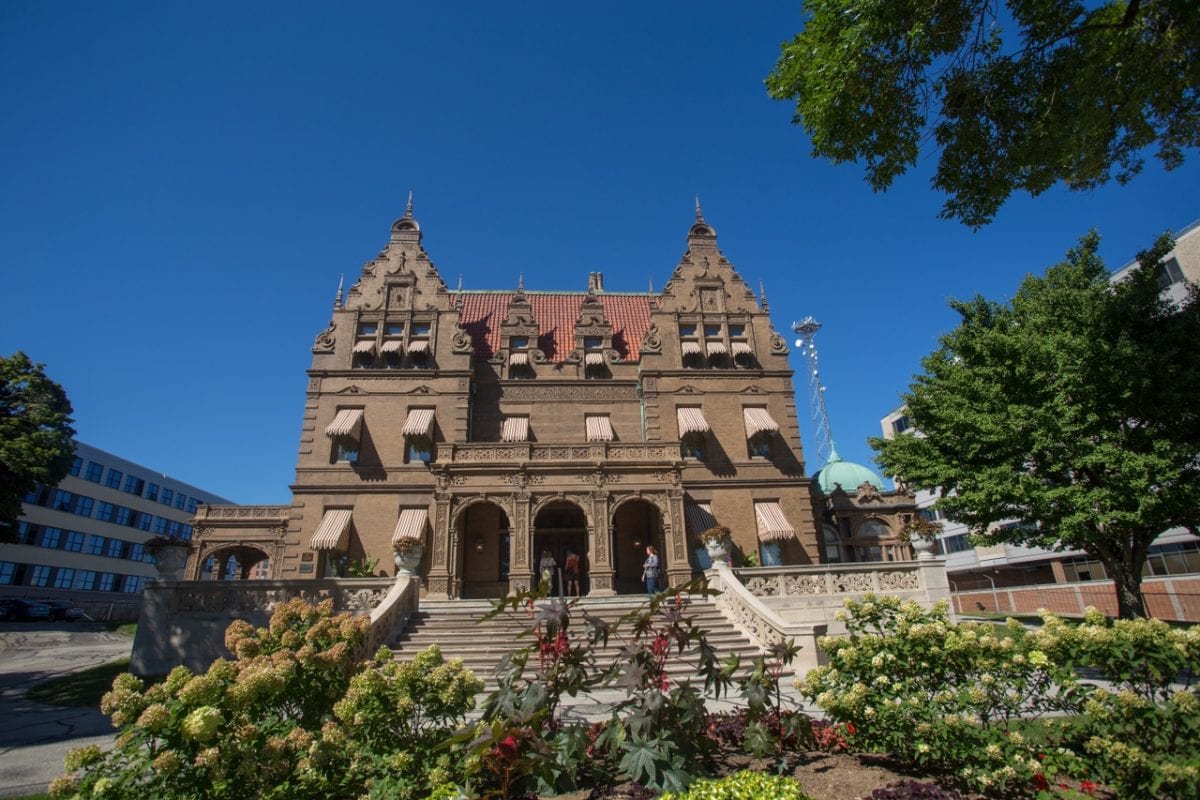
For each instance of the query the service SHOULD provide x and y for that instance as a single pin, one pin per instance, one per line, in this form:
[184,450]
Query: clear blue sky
[183,183]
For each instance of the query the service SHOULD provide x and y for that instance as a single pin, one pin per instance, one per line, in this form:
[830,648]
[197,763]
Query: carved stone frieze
[589,392]
[651,340]
[325,340]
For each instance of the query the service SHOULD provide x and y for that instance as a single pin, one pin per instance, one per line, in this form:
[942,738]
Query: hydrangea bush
[743,785]
[291,716]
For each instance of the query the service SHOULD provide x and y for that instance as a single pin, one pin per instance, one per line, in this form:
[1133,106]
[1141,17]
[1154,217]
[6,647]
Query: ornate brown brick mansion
[499,425]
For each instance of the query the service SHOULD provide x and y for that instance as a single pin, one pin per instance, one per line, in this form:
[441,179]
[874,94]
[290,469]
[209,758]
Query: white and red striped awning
[691,348]
[715,348]
[758,421]
[518,358]
[334,531]
[741,348]
[346,424]
[411,524]
[593,359]
[599,428]
[515,429]
[392,346]
[419,422]
[364,346]
[698,517]
[691,420]
[772,524]
[418,346]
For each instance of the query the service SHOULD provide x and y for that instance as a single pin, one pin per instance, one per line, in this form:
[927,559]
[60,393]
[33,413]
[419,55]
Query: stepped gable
[481,313]
[704,281]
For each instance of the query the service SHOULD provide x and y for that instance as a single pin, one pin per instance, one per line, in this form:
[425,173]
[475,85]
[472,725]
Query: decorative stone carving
[853,582]
[588,392]
[867,493]
[777,345]
[460,341]
[325,340]
[892,581]
[651,340]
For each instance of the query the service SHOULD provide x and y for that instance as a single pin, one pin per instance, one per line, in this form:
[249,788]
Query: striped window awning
[411,524]
[758,421]
[364,346]
[392,346]
[741,348]
[419,422]
[515,429]
[599,428]
[593,359]
[691,348]
[346,425]
[519,358]
[772,524]
[715,348]
[698,517]
[418,346]
[334,531]
[691,420]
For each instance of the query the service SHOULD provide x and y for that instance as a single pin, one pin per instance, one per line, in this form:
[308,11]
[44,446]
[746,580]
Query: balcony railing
[530,452]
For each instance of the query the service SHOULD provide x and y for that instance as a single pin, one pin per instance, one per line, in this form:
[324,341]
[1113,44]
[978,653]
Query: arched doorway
[232,563]
[483,550]
[636,523]
[560,529]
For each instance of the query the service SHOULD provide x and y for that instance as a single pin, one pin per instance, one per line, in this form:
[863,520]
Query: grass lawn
[123,628]
[81,689]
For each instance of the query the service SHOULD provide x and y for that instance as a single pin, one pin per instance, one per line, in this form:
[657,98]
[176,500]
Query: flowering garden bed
[918,707]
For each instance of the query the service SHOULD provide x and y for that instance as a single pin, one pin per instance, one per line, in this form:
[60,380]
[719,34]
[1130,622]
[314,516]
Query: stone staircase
[454,626]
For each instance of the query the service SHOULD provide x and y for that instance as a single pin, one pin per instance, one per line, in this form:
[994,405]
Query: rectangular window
[167,496]
[185,532]
[105,511]
[737,331]
[367,328]
[145,521]
[113,479]
[64,578]
[95,544]
[593,342]
[132,584]
[74,542]
[518,343]
[687,331]
[51,538]
[85,580]
[180,501]
[137,552]
[901,425]
[151,491]
[712,331]
[115,549]
[1169,273]
[40,576]
[419,450]
[345,451]
[83,506]
[191,505]
[106,582]
[394,329]
[94,472]
[173,529]
[63,500]
[160,525]
[25,532]
[7,570]
[76,465]
[134,485]
[124,515]
[420,329]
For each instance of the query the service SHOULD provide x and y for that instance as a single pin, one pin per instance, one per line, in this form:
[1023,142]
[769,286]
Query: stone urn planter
[170,557]
[408,556]
[717,543]
[922,547]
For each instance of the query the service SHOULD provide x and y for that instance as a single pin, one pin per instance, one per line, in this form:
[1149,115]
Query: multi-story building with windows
[501,424]
[84,538]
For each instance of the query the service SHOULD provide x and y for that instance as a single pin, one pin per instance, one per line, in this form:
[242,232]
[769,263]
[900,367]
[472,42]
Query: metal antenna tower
[807,328]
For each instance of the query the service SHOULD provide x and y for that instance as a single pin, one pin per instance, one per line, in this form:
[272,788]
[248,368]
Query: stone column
[600,568]
[679,570]
[520,569]
[438,581]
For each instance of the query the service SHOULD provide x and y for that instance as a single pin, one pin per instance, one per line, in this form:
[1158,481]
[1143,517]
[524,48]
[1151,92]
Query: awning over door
[772,525]
[411,524]
[346,425]
[419,422]
[758,421]
[516,429]
[691,420]
[334,531]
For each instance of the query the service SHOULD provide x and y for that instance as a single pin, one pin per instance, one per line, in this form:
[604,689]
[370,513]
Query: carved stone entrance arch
[258,532]
[481,552]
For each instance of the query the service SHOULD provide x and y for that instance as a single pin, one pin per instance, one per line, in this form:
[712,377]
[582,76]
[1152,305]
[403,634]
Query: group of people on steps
[548,565]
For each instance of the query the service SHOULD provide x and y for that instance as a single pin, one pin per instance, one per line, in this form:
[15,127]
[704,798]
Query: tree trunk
[1127,581]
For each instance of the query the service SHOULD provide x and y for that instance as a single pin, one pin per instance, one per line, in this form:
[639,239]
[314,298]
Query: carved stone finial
[337,298]
[699,213]
[408,207]
[520,281]
[460,282]
[762,292]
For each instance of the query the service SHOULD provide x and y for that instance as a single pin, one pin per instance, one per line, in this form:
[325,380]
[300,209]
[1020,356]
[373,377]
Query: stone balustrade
[530,452]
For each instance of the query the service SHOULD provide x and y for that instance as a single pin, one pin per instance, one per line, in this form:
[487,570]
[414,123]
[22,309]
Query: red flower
[1040,782]
[1088,787]
[850,729]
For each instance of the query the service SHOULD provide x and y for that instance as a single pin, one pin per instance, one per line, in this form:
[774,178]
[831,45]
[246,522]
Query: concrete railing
[184,622]
[391,614]
[531,452]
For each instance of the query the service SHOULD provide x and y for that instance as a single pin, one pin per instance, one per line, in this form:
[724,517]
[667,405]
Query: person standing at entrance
[547,566]
[572,573]
[650,569]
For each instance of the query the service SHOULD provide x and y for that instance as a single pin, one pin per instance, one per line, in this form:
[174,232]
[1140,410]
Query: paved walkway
[35,738]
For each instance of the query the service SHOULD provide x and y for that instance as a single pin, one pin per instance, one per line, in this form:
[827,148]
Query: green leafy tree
[35,434]
[1071,409]
[1017,95]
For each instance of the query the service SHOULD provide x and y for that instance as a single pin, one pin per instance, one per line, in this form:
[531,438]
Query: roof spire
[762,293]
[699,213]
[337,298]
[650,282]
[408,207]
[460,282]
[520,281]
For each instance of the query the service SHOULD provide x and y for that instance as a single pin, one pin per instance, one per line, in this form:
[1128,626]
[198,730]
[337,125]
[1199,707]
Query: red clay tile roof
[556,312]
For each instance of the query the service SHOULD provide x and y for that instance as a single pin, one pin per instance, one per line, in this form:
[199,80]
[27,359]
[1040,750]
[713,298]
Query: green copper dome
[847,473]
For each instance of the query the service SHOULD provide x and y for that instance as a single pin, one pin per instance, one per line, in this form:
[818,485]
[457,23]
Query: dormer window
[593,342]
[518,343]
[693,355]
[594,367]
[363,356]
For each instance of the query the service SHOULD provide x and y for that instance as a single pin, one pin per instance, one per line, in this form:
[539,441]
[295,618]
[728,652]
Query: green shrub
[292,716]
[744,785]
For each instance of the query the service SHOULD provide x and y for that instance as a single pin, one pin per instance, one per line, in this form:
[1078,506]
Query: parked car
[24,608]
[61,609]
